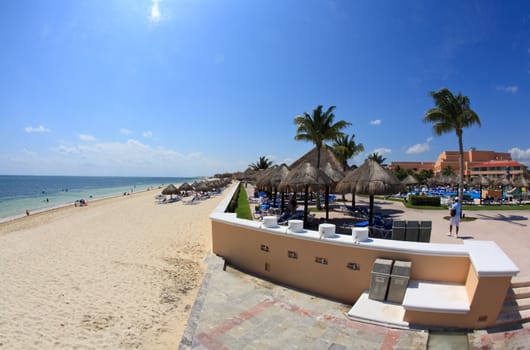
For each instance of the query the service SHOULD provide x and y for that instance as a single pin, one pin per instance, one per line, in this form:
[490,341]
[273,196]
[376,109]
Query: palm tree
[261,164]
[344,148]
[318,128]
[447,171]
[452,113]
[377,157]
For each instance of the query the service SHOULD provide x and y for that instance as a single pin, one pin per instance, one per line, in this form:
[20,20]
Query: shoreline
[66,205]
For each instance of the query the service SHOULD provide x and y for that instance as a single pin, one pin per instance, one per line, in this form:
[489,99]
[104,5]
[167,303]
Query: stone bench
[436,297]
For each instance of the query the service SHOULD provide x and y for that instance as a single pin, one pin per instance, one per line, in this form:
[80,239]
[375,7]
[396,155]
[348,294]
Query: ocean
[19,193]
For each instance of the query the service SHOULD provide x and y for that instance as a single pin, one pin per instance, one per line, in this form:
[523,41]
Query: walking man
[455,211]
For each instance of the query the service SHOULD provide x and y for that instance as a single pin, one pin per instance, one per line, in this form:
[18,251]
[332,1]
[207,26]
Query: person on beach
[455,211]
[27,212]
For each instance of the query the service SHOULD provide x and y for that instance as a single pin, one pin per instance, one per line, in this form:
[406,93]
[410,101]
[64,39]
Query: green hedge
[424,201]
[239,204]
[243,208]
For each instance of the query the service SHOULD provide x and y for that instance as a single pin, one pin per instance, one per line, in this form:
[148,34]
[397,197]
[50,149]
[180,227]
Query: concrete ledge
[427,296]
[378,312]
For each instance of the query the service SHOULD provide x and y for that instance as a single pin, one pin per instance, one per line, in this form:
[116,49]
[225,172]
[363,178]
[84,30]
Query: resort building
[417,167]
[476,162]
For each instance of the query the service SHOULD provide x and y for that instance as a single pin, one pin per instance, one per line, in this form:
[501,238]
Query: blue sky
[188,88]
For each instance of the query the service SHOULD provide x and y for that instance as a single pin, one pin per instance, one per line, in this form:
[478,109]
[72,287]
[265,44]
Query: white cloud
[66,150]
[508,88]
[376,122]
[147,134]
[40,128]
[87,138]
[154,15]
[125,131]
[419,147]
[382,151]
[129,158]
[520,155]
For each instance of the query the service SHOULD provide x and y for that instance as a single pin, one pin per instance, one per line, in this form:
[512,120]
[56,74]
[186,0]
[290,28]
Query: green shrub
[424,201]
[243,208]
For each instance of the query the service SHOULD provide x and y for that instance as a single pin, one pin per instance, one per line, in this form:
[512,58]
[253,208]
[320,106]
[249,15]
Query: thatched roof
[185,187]
[409,180]
[326,156]
[335,174]
[503,182]
[305,174]
[482,181]
[170,189]
[370,178]
[520,181]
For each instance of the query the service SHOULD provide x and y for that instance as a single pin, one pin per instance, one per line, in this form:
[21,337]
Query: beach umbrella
[171,190]
[202,186]
[276,176]
[347,184]
[305,176]
[326,156]
[336,175]
[263,178]
[409,181]
[520,181]
[185,187]
[372,179]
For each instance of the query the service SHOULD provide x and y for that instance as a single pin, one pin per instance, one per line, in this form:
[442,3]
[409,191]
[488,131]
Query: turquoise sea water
[37,193]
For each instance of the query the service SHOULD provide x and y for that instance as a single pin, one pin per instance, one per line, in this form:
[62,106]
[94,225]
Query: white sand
[121,273]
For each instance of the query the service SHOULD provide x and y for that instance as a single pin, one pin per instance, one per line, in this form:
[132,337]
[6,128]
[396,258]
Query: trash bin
[399,228]
[425,231]
[413,230]
[380,277]
[399,280]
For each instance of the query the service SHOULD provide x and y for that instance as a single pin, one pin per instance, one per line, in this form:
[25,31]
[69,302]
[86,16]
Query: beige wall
[242,247]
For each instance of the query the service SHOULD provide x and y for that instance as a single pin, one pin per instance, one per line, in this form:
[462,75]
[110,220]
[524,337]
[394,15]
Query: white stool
[270,221]
[295,225]
[360,234]
[326,230]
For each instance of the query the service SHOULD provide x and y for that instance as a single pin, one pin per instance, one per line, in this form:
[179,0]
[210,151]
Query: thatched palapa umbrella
[185,187]
[306,176]
[326,156]
[335,175]
[520,181]
[276,177]
[171,190]
[410,180]
[371,179]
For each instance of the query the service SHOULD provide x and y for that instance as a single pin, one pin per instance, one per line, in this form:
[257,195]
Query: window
[320,260]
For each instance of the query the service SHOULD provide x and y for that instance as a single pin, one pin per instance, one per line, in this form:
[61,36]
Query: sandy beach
[120,273]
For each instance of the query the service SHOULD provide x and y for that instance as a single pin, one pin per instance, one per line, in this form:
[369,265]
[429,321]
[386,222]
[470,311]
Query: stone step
[518,293]
[518,282]
[514,317]
[512,305]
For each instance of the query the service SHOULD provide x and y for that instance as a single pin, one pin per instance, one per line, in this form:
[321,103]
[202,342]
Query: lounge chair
[194,200]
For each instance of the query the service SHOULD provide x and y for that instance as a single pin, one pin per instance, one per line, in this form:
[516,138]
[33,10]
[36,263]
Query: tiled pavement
[234,310]
[238,311]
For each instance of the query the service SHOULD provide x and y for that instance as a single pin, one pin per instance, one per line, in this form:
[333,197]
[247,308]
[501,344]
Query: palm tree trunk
[461,155]
[318,168]
[305,206]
